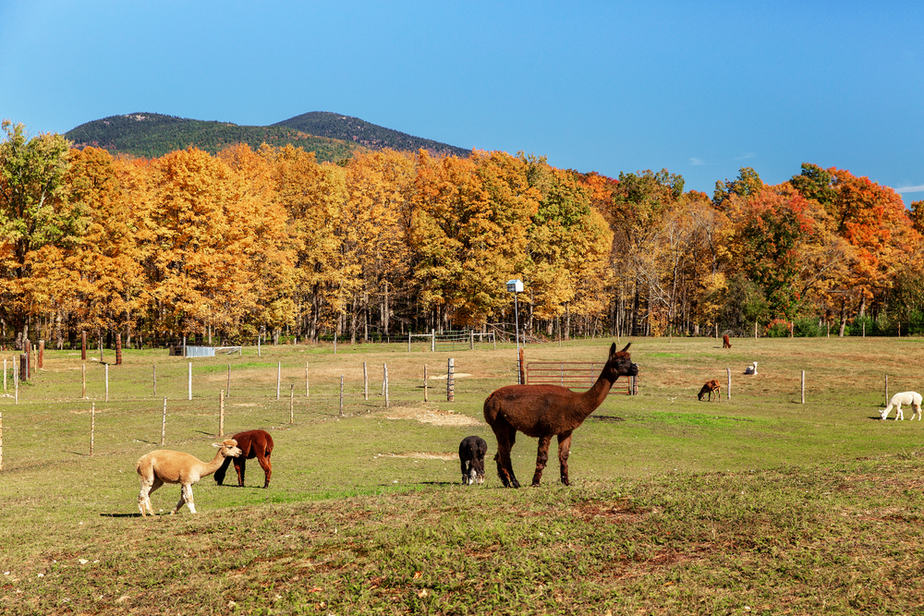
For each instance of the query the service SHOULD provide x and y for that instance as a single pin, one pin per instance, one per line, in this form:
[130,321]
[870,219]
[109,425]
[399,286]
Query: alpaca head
[883,413]
[619,363]
[229,448]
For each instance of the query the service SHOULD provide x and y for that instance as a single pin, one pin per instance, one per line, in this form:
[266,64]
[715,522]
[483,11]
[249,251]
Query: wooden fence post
[83,346]
[118,342]
[92,425]
[221,412]
[728,384]
[386,385]
[41,355]
[471,340]
[432,340]
[163,425]
[384,378]
[409,342]
[451,380]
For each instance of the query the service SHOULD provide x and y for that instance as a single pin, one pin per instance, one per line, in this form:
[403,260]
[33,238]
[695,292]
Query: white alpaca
[166,466]
[752,369]
[905,397]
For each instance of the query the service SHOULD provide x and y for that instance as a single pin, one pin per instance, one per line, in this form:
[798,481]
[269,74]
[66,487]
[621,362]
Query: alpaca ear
[626,348]
[216,444]
[612,349]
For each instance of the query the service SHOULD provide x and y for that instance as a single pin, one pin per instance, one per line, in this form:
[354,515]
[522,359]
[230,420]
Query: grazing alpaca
[472,450]
[726,343]
[545,411]
[253,444]
[752,369]
[708,388]
[906,397]
[165,466]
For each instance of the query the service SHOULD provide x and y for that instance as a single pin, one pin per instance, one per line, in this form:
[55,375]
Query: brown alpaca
[726,343]
[166,466]
[545,411]
[253,444]
[709,387]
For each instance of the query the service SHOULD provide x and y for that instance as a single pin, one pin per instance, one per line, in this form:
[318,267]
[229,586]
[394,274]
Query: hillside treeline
[270,240]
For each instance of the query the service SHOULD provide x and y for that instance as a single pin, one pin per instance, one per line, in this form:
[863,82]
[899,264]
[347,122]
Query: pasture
[754,505]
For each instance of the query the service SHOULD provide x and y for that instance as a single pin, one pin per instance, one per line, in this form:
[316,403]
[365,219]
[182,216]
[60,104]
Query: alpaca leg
[144,501]
[542,456]
[240,468]
[564,448]
[144,498]
[506,436]
[188,495]
[267,467]
[465,472]
[185,499]
[917,412]
[898,413]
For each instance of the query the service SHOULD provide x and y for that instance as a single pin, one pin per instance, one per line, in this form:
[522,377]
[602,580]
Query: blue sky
[698,88]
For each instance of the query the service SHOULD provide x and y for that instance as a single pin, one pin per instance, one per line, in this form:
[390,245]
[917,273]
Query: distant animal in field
[165,466]
[726,343]
[752,369]
[905,397]
[253,444]
[472,450]
[544,411]
[709,387]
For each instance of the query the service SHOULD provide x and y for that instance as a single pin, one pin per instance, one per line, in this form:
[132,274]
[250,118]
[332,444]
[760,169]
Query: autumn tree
[378,211]
[198,227]
[469,233]
[33,215]
[313,196]
[569,244]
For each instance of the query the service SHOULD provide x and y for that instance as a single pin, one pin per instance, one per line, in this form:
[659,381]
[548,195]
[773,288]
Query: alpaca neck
[211,467]
[594,397]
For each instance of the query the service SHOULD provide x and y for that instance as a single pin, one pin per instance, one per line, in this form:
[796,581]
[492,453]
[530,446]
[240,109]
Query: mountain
[372,136]
[331,136]
[153,134]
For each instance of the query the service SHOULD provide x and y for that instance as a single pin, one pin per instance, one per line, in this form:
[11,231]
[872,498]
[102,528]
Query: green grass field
[754,505]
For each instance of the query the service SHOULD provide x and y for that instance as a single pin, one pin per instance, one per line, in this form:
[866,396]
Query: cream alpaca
[165,466]
[905,397]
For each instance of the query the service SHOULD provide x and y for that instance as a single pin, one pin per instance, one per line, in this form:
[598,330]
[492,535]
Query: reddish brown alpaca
[545,411]
[726,343]
[254,444]
[709,387]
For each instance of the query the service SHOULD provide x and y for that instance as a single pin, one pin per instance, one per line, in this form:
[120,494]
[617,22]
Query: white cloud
[910,189]
[746,156]
[697,162]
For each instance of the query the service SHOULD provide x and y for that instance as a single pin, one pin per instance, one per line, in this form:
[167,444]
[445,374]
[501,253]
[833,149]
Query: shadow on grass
[125,515]
[606,418]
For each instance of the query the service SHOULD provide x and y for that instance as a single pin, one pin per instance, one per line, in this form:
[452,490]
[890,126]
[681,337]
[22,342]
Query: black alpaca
[472,450]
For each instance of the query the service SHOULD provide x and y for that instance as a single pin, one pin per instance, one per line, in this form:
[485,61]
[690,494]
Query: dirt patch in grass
[431,416]
[622,510]
[419,455]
